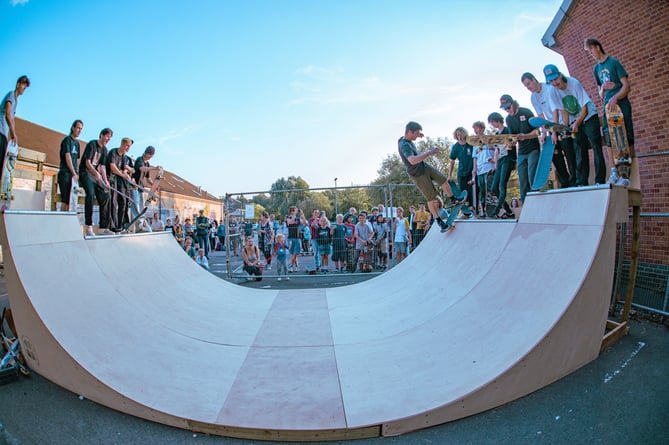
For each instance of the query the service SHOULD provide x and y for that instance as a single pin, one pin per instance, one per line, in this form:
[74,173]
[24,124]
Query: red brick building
[635,32]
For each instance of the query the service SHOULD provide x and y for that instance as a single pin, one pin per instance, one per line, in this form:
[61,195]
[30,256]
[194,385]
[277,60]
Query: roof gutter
[548,40]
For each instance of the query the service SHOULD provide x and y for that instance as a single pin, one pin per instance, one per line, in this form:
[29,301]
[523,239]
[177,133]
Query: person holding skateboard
[141,176]
[614,85]
[117,172]
[543,100]
[7,113]
[579,111]
[67,171]
[505,161]
[423,174]
[93,178]
[518,121]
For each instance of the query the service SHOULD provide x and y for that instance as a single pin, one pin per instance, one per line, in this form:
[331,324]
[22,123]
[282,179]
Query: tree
[393,171]
[287,192]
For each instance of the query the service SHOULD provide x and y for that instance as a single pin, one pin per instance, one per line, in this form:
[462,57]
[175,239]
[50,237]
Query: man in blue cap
[578,110]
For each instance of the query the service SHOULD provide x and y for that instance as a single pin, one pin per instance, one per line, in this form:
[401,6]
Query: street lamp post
[336,198]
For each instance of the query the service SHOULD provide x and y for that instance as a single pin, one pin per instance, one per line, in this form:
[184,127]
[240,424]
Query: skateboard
[12,362]
[456,191]
[621,151]
[562,131]
[151,199]
[492,139]
[75,191]
[448,214]
[544,164]
[6,195]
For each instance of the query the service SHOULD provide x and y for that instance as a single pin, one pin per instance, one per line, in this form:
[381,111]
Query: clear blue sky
[235,94]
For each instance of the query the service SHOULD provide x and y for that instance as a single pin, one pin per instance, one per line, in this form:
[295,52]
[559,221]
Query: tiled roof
[42,139]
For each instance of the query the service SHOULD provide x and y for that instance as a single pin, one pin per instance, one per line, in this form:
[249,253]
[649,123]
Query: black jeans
[589,135]
[95,191]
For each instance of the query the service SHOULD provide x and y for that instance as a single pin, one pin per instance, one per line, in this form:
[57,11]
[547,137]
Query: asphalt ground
[622,397]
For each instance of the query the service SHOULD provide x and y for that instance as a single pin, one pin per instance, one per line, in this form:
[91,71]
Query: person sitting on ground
[189,249]
[178,233]
[156,224]
[201,259]
[144,225]
[251,257]
[188,228]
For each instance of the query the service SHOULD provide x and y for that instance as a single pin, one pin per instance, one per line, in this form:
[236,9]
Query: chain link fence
[243,211]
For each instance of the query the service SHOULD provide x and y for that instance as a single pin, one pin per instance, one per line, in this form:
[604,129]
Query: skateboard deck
[621,151]
[563,131]
[7,181]
[491,139]
[544,164]
[75,191]
[448,215]
[151,199]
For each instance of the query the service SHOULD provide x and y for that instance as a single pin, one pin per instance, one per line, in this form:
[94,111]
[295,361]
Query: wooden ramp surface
[472,319]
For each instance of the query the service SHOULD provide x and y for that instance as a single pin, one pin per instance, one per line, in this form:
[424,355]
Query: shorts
[294,248]
[425,181]
[400,247]
[324,249]
[339,251]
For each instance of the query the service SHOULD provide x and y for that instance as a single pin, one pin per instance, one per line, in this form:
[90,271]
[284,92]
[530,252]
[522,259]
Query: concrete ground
[622,397]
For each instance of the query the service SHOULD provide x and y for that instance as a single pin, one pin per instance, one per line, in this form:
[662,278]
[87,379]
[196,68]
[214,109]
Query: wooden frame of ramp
[471,320]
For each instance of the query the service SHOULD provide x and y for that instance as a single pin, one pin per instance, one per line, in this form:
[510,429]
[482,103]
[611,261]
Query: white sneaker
[278,279]
[287,279]
[89,231]
[268,267]
[105,232]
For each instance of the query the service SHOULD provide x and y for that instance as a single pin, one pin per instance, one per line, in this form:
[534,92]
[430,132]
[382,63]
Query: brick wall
[634,32]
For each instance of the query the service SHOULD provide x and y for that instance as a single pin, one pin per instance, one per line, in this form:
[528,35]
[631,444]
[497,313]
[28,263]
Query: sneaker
[510,215]
[278,279]
[455,200]
[89,231]
[287,279]
[444,227]
[268,267]
[105,232]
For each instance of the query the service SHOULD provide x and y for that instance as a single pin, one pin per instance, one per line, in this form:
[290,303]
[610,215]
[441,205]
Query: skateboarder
[67,171]
[423,174]
[579,111]
[614,85]
[7,113]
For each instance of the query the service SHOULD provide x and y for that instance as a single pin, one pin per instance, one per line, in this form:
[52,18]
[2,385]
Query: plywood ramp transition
[472,319]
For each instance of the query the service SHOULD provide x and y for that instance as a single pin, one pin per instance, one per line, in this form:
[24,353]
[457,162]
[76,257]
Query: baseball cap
[505,101]
[414,126]
[551,72]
